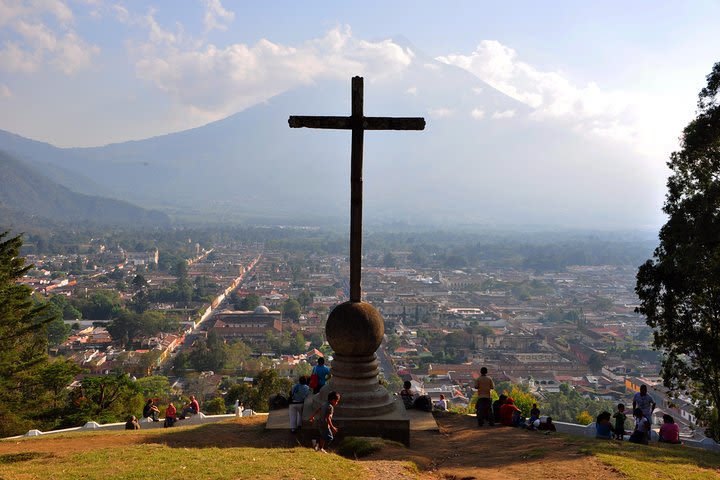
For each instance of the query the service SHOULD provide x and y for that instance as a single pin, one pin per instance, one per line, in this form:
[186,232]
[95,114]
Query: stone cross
[358,123]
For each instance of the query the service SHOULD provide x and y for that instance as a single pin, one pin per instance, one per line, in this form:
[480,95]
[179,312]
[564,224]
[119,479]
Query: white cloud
[441,112]
[431,66]
[613,115]
[5,91]
[503,114]
[121,13]
[477,113]
[216,17]
[211,81]
[478,90]
[412,91]
[45,36]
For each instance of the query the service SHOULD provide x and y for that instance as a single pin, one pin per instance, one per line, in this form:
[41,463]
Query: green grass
[641,462]
[154,461]
[358,447]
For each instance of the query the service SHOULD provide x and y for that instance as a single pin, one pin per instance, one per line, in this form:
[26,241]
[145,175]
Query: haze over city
[561,115]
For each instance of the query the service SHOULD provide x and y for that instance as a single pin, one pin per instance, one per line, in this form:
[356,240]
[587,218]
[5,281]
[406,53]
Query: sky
[93,72]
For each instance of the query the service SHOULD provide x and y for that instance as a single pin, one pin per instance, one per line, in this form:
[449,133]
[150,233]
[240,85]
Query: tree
[291,309]
[180,269]
[210,354]
[306,298]
[155,386]
[679,288]
[138,283]
[595,362]
[108,398]
[23,343]
[250,302]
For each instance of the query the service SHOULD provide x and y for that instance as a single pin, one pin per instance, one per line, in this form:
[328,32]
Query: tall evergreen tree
[23,342]
[679,288]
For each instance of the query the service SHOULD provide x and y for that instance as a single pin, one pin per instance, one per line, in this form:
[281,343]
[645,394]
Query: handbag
[314,380]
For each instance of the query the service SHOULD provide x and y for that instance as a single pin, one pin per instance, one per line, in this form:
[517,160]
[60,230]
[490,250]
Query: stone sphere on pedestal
[355,329]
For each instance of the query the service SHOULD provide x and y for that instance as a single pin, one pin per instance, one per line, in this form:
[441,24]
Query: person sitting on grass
[545,424]
[669,430]
[325,426]
[441,404]
[509,413]
[642,428]
[132,423]
[603,428]
[496,406]
[534,413]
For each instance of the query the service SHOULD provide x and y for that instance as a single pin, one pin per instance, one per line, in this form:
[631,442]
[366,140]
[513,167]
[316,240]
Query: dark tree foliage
[679,288]
[23,341]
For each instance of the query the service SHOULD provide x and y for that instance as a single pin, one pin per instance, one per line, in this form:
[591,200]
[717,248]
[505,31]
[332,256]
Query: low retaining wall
[589,431]
[198,419]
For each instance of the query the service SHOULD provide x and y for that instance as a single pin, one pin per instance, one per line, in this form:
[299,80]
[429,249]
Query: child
[642,428]
[620,418]
[534,415]
[326,427]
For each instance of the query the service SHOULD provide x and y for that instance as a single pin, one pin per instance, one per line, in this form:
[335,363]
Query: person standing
[644,402]
[620,421]
[484,385]
[321,372]
[298,394]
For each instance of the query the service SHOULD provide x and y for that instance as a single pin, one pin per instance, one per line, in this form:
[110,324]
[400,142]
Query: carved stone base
[392,425]
[356,380]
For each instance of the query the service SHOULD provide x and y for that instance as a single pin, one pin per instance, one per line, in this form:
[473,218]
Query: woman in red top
[669,430]
[170,415]
[507,411]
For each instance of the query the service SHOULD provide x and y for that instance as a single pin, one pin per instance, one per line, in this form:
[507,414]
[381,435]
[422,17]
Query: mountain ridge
[24,190]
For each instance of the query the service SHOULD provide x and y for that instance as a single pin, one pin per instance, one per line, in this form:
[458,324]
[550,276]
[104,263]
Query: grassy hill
[25,191]
[242,448]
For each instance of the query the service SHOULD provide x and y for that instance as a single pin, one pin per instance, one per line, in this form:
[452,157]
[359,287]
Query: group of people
[503,410]
[643,407]
[305,387]
[152,412]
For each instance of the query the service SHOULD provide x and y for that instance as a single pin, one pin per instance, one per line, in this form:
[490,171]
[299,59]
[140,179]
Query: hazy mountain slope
[24,190]
[505,167]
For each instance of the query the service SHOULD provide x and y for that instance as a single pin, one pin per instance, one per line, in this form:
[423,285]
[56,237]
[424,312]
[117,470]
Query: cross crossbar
[368,123]
[358,123]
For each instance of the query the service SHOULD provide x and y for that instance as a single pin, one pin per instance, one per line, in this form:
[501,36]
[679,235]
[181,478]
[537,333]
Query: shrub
[356,447]
[216,406]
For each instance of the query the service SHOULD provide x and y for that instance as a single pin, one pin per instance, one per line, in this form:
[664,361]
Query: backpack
[423,402]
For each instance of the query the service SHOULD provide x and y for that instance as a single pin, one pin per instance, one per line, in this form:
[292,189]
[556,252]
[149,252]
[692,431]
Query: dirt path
[460,450]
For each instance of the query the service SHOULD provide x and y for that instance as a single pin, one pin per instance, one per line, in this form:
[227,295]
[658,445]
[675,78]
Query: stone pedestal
[355,331]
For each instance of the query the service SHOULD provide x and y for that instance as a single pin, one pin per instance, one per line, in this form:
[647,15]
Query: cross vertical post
[358,123]
[356,189]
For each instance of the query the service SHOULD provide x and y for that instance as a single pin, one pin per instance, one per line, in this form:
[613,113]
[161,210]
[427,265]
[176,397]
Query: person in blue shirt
[603,427]
[322,373]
